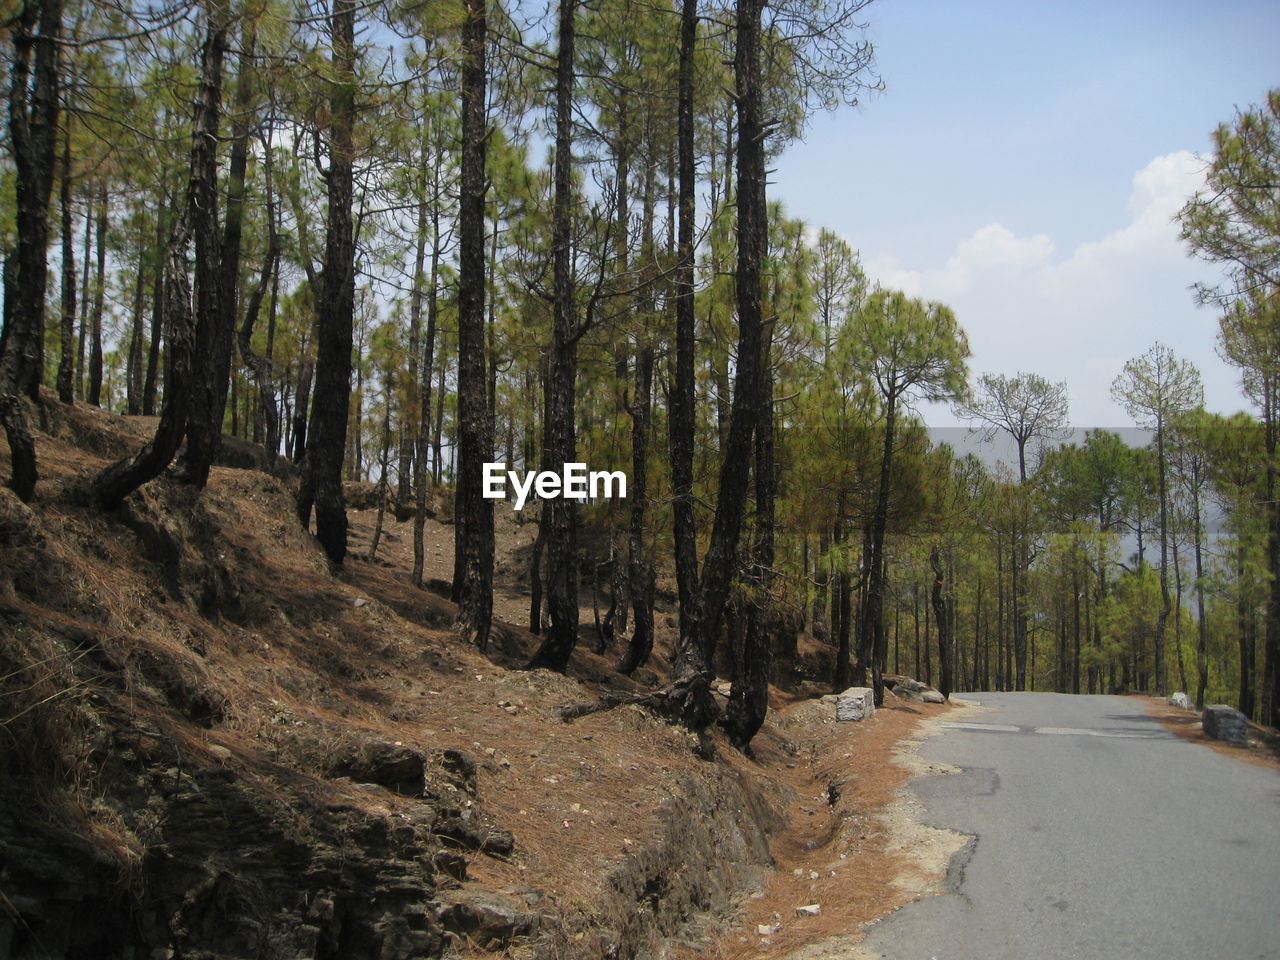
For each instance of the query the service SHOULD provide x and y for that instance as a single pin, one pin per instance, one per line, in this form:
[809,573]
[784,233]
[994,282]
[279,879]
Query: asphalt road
[1097,834]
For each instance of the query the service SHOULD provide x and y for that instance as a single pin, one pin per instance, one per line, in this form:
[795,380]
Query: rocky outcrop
[1223,722]
[856,703]
[908,688]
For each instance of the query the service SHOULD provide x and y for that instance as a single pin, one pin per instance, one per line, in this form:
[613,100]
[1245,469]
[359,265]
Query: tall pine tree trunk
[428,361]
[749,697]
[33,134]
[690,657]
[473,515]
[216,317]
[640,569]
[321,484]
[559,515]
[258,364]
[67,340]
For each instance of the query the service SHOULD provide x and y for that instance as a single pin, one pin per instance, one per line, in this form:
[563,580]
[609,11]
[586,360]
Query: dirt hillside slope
[213,746]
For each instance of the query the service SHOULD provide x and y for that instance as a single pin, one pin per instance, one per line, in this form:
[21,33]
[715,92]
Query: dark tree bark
[721,562]
[559,515]
[157,313]
[412,422]
[216,307]
[690,658]
[120,479]
[942,614]
[640,568]
[67,354]
[260,366]
[33,134]
[473,515]
[321,484]
[83,333]
[99,294]
[871,625]
[22,448]
[749,697]
[133,364]
[1270,714]
[301,407]
[428,363]
[1245,635]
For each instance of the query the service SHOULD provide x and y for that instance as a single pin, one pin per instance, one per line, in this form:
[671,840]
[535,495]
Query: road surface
[1097,834]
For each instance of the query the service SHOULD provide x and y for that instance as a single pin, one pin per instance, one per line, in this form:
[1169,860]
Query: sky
[1023,166]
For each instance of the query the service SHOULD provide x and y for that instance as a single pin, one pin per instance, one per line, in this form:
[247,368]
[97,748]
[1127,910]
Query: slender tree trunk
[159,261]
[640,568]
[473,515]
[301,407]
[559,514]
[1270,713]
[120,479]
[428,362]
[720,563]
[689,656]
[33,133]
[1244,635]
[99,296]
[321,484]
[82,337]
[411,422]
[1177,616]
[872,625]
[1166,604]
[66,357]
[384,462]
[260,366]
[749,697]
[216,309]
[941,612]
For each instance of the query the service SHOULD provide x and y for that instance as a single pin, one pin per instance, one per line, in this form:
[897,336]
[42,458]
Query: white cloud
[1078,316]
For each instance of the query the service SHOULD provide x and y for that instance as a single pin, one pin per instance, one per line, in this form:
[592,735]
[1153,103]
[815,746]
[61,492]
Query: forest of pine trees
[391,241]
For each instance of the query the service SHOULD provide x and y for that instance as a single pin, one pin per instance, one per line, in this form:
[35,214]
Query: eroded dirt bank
[213,746]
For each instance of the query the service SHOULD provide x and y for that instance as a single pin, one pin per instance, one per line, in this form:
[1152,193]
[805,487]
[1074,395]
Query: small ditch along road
[1096,833]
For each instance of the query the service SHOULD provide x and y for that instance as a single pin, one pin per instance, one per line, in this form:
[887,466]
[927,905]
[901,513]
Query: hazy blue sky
[1022,166]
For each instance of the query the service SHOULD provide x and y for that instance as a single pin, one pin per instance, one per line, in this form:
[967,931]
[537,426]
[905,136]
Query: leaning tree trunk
[321,484]
[473,515]
[120,479]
